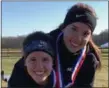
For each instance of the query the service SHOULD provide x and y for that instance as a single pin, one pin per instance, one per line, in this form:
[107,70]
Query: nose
[39,65]
[78,38]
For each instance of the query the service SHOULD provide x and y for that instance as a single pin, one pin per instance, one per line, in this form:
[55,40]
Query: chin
[72,50]
[40,81]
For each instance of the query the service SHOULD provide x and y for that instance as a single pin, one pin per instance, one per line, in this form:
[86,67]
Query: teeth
[74,44]
[39,73]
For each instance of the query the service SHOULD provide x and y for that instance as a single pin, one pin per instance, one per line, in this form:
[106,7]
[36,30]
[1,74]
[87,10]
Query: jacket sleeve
[85,77]
[17,73]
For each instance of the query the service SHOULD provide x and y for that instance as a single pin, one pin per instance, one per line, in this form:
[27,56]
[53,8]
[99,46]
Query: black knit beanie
[80,15]
[37,41]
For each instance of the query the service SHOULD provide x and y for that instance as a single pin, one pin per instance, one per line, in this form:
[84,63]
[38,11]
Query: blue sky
[21,18]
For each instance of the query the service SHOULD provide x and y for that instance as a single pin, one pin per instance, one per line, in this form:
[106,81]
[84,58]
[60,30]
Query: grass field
[101,78]
[8,64]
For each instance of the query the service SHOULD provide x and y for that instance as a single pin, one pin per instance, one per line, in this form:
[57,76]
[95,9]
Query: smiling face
[39,66]
[76,36]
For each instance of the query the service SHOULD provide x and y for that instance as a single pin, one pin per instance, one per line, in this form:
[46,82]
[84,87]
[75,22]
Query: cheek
[67,36]
[30,70]
[67,33]
[85,41]
[29,67]
[48,66]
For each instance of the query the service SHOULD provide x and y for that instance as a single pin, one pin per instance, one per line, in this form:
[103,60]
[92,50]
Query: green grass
[101,76]
[105,50]
[9,49]
[8,64]
[105,55]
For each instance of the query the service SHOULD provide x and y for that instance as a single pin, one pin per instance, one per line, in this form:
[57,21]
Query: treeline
[101,38]
[12,42]
[16,42]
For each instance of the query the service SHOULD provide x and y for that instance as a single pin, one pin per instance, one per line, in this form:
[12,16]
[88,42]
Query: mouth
[74,44]
[39,73]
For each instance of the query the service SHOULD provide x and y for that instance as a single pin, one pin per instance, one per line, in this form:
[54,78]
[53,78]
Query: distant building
[106,45]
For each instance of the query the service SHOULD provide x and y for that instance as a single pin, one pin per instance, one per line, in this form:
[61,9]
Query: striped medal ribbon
[77,66]
[54,79]
[59,80]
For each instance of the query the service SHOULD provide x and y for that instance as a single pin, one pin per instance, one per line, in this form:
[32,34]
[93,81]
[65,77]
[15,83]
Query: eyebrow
[78,27]
[75,26]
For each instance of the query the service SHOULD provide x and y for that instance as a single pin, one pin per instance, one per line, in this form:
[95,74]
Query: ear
[25,63]
[22,52]
[63,30]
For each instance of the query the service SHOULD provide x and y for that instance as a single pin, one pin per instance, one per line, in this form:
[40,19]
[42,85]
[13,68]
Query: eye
[85,34]
[33,59]
[45,59]
[74,29]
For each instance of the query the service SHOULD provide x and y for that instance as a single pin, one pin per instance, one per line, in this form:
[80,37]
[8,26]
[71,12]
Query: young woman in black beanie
[37,70]
[77,56]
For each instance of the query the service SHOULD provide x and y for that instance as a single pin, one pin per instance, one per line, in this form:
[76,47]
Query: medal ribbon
[59,81]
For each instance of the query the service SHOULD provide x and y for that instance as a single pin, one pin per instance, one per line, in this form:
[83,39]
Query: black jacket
[85,77]
[21,79]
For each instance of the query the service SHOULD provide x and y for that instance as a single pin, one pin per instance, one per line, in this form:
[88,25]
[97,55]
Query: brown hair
[91,43]
[96,50]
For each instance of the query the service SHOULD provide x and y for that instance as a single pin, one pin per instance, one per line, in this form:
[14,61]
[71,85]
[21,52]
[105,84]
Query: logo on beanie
[42,44]
[79,15]
[38,45]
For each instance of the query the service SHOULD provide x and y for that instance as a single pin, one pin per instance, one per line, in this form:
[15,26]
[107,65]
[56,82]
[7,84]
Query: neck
[44,82]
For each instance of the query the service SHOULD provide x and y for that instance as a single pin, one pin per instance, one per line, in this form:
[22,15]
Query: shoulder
[19,64]
[91,60]
[54,33]
[91,55]
[17,73]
